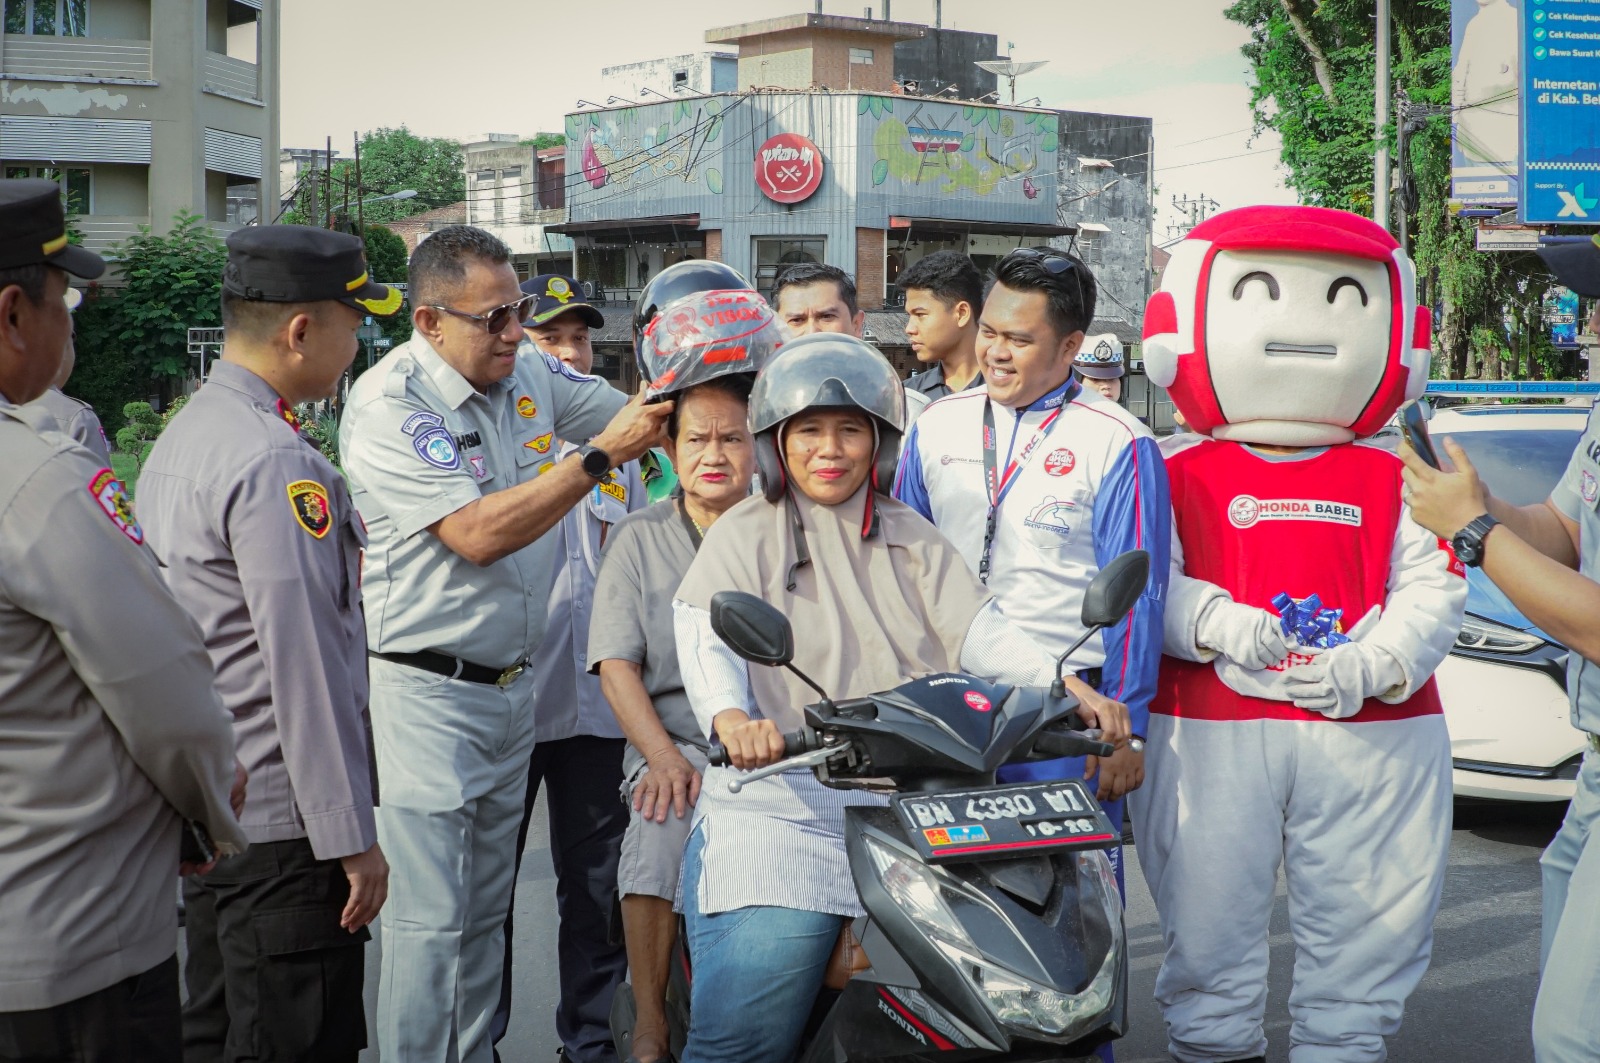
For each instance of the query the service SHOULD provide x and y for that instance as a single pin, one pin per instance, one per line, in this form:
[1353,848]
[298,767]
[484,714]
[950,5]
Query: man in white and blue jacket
[1039,483]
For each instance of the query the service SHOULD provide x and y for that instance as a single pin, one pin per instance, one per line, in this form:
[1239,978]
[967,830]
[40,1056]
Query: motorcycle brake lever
[778,767]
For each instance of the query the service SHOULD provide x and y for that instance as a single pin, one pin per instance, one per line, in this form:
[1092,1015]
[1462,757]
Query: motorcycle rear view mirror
[755,630]
[1111,595]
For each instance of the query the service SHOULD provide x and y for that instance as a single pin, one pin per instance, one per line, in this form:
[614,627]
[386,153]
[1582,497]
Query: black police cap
[556,294]
[301,264]
[33,230]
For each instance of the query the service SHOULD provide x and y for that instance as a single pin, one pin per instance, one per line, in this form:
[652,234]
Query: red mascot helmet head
[1295,326]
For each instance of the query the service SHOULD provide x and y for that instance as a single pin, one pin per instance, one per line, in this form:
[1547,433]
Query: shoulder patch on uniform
[560,368]
[419,420]
[309,501]
[435,447]
[111,497]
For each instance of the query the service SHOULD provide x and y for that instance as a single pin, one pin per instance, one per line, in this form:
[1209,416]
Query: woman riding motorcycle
[877,596]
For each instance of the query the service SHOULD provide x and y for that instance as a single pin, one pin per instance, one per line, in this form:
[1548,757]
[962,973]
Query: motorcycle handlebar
[794,743]
[1066,744]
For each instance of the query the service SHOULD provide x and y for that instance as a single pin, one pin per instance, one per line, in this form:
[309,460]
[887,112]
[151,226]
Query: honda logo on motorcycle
[976,701]
[788,168]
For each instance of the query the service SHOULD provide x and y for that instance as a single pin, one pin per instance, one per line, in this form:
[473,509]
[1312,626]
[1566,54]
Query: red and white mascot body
[1285,335]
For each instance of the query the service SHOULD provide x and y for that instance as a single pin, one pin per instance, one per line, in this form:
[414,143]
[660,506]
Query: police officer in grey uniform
[74,418]
[110,732]
[450,445]
[262,545]
[1530,553]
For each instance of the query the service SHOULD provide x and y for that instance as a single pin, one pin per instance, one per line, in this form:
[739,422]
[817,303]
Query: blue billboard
[1485,81]
[1563,318]
[1561,112]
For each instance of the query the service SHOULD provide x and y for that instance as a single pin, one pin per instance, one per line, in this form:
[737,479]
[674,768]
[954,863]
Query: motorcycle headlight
[917,892]
[1486,636]
[1031,1009]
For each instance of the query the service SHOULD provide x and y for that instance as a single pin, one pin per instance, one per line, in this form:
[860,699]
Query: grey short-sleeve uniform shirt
[261,544]
[418,443]
[77,420]
[646,556]
[1578,496]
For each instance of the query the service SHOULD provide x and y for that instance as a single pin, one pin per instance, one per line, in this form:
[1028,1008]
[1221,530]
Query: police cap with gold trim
[301,264]
[33,230]
[555,294]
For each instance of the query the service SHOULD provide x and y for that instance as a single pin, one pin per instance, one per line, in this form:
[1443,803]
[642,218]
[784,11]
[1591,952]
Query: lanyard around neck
[998,483]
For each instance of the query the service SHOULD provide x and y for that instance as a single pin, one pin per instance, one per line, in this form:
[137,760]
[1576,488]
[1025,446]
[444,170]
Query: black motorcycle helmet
[689,277]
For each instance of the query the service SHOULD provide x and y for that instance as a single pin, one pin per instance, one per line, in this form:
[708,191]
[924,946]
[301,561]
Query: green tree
[133,340]
[392,160]
[1314,63]
[540,141]
[142,425]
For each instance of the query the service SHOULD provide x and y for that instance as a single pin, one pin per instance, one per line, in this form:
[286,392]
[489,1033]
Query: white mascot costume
[1295,723]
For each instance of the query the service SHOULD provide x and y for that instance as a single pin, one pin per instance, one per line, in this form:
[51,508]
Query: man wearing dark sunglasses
[450,446]
[1038,488]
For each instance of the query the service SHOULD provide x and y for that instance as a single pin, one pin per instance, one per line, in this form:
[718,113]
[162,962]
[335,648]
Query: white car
[1504,683]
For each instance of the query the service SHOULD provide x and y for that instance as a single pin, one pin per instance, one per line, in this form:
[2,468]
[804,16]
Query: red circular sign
[977,702]
[788,168]
[1060,462]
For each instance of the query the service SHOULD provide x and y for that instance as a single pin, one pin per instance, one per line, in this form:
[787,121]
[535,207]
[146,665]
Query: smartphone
[1414,426]
[194,847]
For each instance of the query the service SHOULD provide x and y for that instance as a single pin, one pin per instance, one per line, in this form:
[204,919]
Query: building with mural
[820,155]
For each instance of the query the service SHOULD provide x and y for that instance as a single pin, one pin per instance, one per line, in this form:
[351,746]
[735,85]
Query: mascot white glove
[1252,638]
[1340,679]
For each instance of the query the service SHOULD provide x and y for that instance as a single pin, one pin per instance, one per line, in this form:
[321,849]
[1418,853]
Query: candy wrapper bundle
[1308,622]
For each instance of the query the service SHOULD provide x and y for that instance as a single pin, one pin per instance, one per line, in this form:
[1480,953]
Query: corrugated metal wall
[75,139]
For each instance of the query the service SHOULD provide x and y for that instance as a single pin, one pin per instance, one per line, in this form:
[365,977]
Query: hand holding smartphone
[1414,427]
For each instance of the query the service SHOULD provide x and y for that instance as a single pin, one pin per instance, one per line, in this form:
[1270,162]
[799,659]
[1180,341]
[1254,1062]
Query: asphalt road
[1475,1003]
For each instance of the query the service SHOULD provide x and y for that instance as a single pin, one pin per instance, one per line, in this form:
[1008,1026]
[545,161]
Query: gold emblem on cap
[52,246]
[558,289]
[358,282]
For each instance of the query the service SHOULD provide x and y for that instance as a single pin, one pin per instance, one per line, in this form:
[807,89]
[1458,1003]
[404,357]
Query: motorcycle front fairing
[965,968]
[940,727]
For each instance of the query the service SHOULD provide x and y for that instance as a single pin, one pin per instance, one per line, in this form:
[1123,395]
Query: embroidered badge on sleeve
[110,496]
[309,501]
[432,440]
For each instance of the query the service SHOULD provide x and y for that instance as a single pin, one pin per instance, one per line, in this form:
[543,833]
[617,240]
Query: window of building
[481,196]
[244,201]
[774,253]
[861,57]
[603,267]
[77,183]
[680,80]
[48,18]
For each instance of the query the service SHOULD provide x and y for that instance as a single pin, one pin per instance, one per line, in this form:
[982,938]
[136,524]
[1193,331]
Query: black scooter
[994,926]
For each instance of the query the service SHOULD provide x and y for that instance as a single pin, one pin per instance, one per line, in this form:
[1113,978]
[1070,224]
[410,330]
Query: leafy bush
[141,426]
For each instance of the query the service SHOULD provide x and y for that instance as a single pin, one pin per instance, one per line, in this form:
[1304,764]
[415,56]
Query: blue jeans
[757,971]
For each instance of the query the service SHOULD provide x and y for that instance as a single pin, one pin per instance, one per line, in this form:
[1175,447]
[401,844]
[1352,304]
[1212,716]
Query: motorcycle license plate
[1003,821]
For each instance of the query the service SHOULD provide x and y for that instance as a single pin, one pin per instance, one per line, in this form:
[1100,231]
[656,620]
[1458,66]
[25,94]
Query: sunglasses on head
[1052,260]
[495,321]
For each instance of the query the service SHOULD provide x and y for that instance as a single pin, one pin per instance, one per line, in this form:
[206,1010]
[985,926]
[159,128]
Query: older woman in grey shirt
[631,645]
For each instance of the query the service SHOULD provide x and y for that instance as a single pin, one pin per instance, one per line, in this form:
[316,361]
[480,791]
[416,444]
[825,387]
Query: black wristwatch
[1468,542]
[595,462]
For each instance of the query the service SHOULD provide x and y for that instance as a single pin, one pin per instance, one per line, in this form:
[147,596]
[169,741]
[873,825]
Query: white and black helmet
[826,371]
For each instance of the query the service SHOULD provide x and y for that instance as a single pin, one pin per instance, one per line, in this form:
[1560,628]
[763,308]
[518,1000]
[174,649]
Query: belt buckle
[510,675]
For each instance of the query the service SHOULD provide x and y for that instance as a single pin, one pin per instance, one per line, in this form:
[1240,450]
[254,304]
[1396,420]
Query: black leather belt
[454,667]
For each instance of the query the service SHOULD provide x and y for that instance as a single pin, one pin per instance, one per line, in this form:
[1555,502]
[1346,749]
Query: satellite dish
[1011,70]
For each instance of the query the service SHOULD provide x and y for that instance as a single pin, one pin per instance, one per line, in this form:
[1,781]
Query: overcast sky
[517,66]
